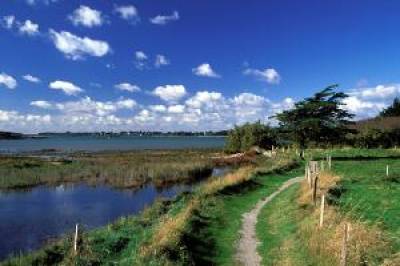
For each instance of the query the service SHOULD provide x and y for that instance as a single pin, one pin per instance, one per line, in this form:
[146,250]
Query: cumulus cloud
[367,102]
[205,70]
[164,19]
[128,12]
[140,55]
[14,121]
[125,86]
[140,60]
[7,81]
[87,106]
[30,78]
[268,75]
[75,47]
[42,104]
[67,87]
[86,16]
[8,21]
[176,109]
[170,93]
[29,28]
[205,110]
[25,28]
[160,61]
[158,108]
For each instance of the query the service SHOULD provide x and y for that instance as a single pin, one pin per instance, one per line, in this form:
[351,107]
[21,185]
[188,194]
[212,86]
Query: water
[28,219]
[93,143]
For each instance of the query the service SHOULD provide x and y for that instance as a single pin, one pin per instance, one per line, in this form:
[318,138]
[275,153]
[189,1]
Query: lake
[96,143]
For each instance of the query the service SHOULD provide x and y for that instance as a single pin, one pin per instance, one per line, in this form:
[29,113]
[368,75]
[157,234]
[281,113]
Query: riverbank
[167,229]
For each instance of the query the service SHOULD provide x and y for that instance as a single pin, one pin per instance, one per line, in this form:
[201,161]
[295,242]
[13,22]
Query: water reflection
[29,218]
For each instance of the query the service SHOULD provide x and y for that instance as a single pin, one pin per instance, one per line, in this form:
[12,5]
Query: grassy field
[367,194]
[358,193]
[123,170]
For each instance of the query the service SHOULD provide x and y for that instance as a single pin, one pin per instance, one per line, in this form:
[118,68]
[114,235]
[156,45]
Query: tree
[242,138]
[392,110]
[319,119]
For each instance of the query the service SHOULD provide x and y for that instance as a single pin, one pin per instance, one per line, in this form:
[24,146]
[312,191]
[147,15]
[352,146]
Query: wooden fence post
[329,161]
[343,255]
[314,192]
[387,170]
[76,239]
[321,215]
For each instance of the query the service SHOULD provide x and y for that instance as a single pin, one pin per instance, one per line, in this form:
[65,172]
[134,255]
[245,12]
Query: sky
[170,65]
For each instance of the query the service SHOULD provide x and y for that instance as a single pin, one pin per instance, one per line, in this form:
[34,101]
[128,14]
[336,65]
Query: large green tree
[242,138]
[392,110]
[318,120]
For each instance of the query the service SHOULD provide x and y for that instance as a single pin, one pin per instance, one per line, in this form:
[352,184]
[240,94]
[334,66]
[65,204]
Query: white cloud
[30,78]
[46,2]
[205,110]
[205,99]
[125,104]
[268,75]
[8,22]
[128,12]
[29,28]
[66,86]
[366,102]
[158,108]
[362,108]
[87,17]
[125,86]
[140,55]
[41,104]
[176,109]
[7,81]
[164,19]
[380,91]
[170,93]
[205,70]
[161,60]
[75,47]
[141,60]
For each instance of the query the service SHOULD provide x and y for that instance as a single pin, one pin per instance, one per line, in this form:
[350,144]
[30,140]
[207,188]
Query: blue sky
[191,65]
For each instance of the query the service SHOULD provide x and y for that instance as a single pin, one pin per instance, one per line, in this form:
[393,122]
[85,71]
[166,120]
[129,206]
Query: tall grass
[124,169]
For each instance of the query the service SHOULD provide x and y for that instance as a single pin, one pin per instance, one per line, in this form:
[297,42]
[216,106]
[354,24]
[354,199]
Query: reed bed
[122,170]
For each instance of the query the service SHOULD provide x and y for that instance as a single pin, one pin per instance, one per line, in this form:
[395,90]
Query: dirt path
[246,253]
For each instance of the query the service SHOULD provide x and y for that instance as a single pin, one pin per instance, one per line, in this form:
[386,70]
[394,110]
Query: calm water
[28,219]
[89,143]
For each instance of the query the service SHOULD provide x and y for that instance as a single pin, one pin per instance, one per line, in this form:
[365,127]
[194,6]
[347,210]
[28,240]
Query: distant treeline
[320,121]
[139,133]
[10,135]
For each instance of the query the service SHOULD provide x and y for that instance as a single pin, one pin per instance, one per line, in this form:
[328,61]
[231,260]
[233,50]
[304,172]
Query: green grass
[367,194]
[277,230]
[352,153]
[221,217]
